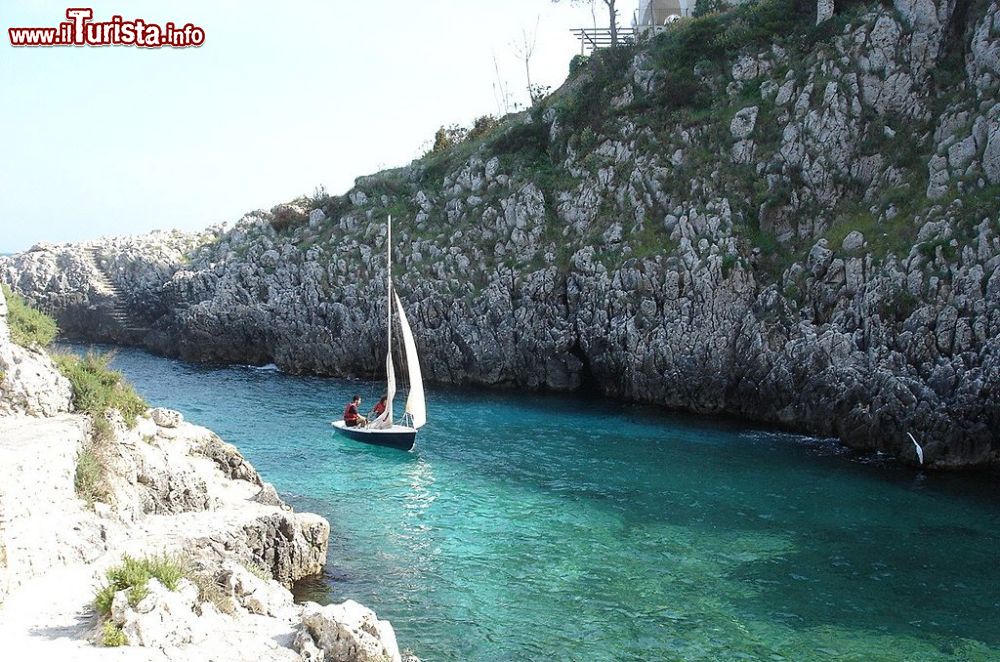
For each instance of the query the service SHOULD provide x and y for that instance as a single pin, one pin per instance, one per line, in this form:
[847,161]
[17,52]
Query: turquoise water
[528,527]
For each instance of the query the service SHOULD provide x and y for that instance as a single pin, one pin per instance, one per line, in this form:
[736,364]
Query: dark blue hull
[397,437]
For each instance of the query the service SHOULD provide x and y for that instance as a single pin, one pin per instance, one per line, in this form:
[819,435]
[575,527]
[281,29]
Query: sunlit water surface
[564,528]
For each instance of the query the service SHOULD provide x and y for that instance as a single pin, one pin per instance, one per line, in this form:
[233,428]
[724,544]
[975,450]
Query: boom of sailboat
[385,430]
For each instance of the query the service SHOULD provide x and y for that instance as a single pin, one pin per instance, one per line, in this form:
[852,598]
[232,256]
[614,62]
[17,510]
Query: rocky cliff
[749,214]
[170,490]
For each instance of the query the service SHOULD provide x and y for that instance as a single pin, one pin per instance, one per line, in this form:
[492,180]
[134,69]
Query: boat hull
[397,436]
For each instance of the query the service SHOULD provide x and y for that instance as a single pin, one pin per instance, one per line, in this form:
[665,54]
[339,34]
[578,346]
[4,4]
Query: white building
[657,13]
[651,17]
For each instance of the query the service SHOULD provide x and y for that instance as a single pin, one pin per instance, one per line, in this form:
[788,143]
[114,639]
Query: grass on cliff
[28,327]
[112,636]
[91,481]
[133,575]
[97,389]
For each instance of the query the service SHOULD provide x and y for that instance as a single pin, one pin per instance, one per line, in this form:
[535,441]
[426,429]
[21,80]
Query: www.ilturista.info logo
[80,30]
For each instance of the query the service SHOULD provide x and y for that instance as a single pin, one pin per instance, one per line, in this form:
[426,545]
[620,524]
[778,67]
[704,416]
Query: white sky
[284,96]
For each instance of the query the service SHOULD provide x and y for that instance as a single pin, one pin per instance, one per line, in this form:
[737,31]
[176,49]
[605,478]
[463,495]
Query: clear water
[561,528]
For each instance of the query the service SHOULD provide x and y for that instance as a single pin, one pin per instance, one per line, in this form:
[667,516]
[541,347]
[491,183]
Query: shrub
[284,217]
[112,636]
[90,481]
[259,571]
[209,590]
[704,7]
[728,264]
[28,327]
[590,104]
[133,575]
[482,126]
[97,389]
[577,64]
[448,137]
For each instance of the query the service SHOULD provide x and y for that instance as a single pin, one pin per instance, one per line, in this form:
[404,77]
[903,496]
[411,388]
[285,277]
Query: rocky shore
[749,215]
[172,491]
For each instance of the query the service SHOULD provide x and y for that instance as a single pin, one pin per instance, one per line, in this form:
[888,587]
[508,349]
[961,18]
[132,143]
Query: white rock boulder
[347,632]
[256,595]
[163,618]
[166,418]
[29,381]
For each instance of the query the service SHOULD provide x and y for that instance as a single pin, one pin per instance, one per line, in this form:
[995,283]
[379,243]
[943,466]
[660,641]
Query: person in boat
[351,416]
[379,408]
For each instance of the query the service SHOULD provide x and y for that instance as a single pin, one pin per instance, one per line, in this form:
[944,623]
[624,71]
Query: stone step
[120,313]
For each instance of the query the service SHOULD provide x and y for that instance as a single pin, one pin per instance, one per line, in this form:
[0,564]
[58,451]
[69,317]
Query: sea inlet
[553,527]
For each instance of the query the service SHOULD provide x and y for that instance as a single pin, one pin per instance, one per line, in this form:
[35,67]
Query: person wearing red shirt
[379,407]
[351,416]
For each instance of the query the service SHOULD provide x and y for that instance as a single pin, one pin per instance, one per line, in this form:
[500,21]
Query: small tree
[448,137]
[525,50]
[612,15]
[704,7]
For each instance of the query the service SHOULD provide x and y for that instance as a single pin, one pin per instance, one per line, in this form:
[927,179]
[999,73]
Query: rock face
[819,249]
[348,631]
[163,619]
[29,382]
[173,490]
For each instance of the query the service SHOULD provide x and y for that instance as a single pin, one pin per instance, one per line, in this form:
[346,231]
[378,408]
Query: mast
[390,376]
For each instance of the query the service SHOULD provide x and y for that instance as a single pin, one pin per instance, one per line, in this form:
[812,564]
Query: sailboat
[385,430]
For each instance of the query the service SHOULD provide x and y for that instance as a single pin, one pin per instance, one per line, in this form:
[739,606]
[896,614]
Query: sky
[283,97]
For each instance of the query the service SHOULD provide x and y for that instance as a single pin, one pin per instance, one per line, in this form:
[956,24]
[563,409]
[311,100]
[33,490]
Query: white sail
[416,407]
[385,420]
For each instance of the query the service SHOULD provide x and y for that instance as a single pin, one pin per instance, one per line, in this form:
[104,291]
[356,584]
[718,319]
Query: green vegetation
[259,571]
[979,204]
[285,217]
[112,635]
[209,590]
[687,107]
[576,64]
[91,475]
[133,575]
[651,240]
[447,138]
[97,389]
[29,327]
[590,105]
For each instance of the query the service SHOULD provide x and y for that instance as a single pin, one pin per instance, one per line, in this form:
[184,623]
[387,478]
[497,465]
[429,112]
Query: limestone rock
[166,418]
[991,155]
[853,241]
[257,596]
[743,123]
[29,381]
[316,218]
[629,262]
[162,619]
[824,11]
[347,632]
